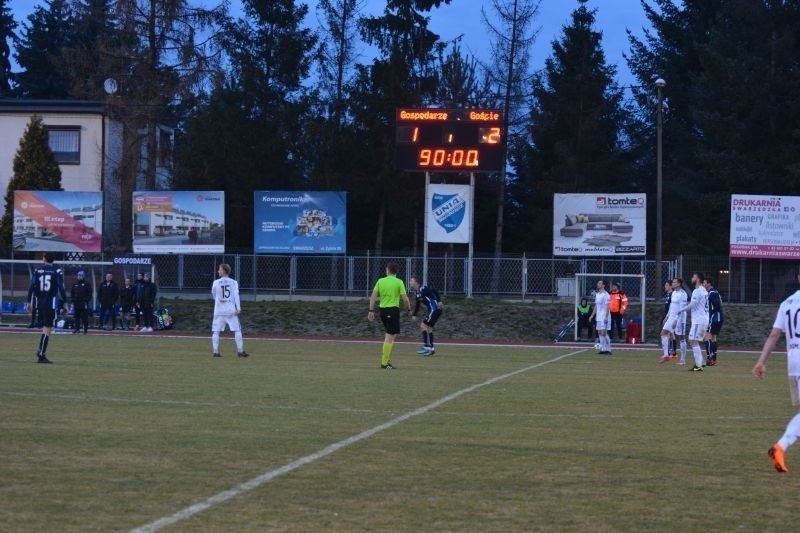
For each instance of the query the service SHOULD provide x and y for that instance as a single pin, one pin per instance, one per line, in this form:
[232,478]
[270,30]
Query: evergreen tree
[746,114]
[403,75]
[99,49]
[671,51]
[575,131]
[7,26]
[35,169]
[253,112]
[39,51]
[731,68]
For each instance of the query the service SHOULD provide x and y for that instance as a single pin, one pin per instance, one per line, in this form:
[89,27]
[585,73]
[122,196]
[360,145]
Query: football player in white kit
[786,323]
[698,308]
[675,323]
[227,307]
[602,314]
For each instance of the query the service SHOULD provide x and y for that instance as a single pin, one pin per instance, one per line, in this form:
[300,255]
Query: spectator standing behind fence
[81,295]
[108,294]
[147,302]
[126,298]
[584,312]
[137,298]
[618,303]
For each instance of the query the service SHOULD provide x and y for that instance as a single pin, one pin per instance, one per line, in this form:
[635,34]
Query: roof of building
[28,106]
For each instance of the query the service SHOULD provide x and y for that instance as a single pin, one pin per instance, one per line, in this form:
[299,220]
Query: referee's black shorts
[390,316]
[715,327]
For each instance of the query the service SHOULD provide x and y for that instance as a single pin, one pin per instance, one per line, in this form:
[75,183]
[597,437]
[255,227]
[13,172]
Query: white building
[88,146]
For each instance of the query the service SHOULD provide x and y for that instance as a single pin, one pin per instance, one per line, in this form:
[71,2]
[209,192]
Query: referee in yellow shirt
[390,289]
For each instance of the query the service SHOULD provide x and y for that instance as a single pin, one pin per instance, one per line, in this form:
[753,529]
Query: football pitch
[150,432]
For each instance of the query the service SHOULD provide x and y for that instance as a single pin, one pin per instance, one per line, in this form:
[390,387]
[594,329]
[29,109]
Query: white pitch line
[266,477]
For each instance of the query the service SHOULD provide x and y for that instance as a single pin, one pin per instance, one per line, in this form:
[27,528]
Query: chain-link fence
[503,277]
[751,281]
[521,278]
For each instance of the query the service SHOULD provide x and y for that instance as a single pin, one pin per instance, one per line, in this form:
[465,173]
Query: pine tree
[39,51]
[403,75]
[35,169]
[7,26]
[575,131]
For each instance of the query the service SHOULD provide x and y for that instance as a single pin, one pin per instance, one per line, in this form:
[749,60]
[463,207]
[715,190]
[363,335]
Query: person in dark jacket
[584,312]
[137,297]
[127,295]
[147,302]
[81,295]
[108,294]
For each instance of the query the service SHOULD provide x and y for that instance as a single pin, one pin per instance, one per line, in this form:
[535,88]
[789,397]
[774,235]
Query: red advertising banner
[58,221]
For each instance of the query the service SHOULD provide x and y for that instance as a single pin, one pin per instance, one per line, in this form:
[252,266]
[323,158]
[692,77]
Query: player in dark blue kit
[715,318]
[428,297]
[47,286]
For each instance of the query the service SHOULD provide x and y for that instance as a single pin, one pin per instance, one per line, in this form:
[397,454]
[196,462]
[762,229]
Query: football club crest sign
[449,213]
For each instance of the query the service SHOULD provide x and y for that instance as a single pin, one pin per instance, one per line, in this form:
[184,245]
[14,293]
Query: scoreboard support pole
[471,232]
[425,231]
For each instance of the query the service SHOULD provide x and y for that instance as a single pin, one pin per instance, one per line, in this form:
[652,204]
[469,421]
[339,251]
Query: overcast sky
[464,17]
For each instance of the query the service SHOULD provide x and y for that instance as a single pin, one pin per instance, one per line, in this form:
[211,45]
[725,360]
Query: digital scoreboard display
[449,140]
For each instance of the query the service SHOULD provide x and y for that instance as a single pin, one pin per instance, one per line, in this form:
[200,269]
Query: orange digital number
[424,157]
[472,158]
[415,135]
[458,158]
[490,135]
[438,158]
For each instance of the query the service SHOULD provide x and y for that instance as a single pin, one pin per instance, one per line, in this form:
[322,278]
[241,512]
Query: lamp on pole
[660,84]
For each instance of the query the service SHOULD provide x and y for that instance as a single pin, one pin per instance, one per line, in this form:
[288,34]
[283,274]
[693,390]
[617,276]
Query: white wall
[86,176]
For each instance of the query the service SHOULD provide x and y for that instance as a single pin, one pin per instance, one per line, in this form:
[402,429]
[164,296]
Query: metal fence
[521,278]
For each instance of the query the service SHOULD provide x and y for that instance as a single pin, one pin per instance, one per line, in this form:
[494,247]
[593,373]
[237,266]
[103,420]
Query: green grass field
[124,430]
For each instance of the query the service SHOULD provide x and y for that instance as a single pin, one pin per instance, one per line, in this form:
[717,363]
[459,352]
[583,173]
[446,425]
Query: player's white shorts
[221,320]
[676,325]
[602,325]
[698,331]
[794,385]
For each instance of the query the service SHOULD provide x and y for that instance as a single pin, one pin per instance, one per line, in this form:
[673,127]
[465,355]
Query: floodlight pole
[471,232]
[660,84]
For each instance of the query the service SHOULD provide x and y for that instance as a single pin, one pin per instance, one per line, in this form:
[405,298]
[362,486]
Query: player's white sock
[683,350]
[608,343]
[665,345]
[792,432]
[215,341]
[237,335]
[698,355]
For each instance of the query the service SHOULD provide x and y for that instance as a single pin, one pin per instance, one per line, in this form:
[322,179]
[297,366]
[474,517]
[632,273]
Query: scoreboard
[449,140]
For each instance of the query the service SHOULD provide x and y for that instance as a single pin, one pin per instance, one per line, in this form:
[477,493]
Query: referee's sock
[387,353]
[430,336]
[425,336]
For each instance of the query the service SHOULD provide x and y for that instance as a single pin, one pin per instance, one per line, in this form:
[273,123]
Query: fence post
[255,277]
[292,275]
[180,272]
[524,276]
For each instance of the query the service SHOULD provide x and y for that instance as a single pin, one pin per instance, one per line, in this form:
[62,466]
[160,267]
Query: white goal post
[633,285]
[15,278]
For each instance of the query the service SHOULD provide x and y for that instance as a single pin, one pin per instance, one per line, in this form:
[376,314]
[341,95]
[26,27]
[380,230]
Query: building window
[65,142]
